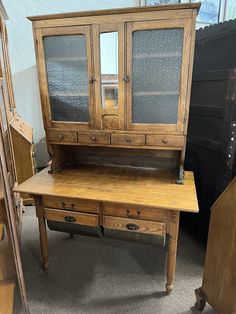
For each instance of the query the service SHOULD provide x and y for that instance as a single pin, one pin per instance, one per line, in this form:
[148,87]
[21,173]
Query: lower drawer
[134,225]
[71,217]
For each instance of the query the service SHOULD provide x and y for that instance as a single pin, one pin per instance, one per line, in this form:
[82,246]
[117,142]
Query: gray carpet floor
[89,275]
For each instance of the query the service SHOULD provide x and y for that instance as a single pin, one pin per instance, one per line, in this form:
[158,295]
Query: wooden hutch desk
[115,88]
[120,198]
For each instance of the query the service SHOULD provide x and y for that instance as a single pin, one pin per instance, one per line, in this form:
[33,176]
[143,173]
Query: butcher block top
[123,185]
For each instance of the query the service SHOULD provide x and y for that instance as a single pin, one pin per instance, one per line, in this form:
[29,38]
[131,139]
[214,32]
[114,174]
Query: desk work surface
[134,186]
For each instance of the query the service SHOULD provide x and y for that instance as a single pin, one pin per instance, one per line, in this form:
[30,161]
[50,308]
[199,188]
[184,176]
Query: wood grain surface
[124,185]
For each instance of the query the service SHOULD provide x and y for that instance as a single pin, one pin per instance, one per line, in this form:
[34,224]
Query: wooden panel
[94,138]
[128,139]
[135,212]
[62,136]
[220,265]
[123,185]
[6,297]
[165,140]
[134,225]
[71,204]
[115,11]
[71,217]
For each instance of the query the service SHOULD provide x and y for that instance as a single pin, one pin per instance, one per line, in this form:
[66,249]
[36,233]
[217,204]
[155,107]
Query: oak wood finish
[113,11]
[6,297]
[165,140]
[128,139]
[121,185]
[118,120]
[61,136]
[111,173]
[94,138]
[23,148]
[70,204]
[67,216]
[135,212]
[218,285]
[116,195]
[134,225]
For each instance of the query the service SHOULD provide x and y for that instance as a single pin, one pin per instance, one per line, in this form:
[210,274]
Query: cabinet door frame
[111,112]
[43,81]
[177,128]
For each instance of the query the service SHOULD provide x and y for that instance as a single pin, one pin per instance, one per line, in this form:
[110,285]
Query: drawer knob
[93,138]
[164,141]
[60,136]
[70,219]
[132,226]
[127,139]
[73,206]
[63,205]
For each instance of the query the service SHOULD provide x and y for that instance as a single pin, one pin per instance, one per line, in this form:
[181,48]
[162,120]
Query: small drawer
[71,217]
[71,204]
[61,136]
[134,225]
[128,139]
[135,212]
[94,138]
[165,140]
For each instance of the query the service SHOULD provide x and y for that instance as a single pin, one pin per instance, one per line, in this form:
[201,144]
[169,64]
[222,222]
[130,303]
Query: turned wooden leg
[42,230]
[172,250]
[200,299]
[43,242]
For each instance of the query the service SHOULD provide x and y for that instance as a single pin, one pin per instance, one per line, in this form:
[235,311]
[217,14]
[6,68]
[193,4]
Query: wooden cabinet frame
[117,128]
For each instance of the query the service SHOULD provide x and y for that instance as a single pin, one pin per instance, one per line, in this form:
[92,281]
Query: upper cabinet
[116,73]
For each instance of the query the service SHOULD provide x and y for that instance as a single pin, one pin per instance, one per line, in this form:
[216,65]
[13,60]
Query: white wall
[22,57]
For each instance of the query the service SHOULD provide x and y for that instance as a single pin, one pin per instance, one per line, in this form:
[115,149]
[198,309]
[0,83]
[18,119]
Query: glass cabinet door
[155,62]
[68,70]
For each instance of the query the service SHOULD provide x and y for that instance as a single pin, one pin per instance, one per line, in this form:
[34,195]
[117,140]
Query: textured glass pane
[66,64]
[157,58]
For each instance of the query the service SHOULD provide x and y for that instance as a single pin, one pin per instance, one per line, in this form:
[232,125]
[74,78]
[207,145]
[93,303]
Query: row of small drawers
[117,217]
[115,139]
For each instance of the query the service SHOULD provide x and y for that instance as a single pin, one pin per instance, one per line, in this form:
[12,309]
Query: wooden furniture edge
[116,11]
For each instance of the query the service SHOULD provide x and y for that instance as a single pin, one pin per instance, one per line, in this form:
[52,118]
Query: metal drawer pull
[132,226]
[93,138]
[70,219]
[164,141]
[60,136]
[127,139]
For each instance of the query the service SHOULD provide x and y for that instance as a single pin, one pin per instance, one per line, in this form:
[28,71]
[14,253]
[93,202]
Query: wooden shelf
[157,93]
[68,94]
[157,55]
[58,59]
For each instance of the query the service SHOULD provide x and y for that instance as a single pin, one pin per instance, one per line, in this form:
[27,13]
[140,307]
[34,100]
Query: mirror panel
[109,69]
